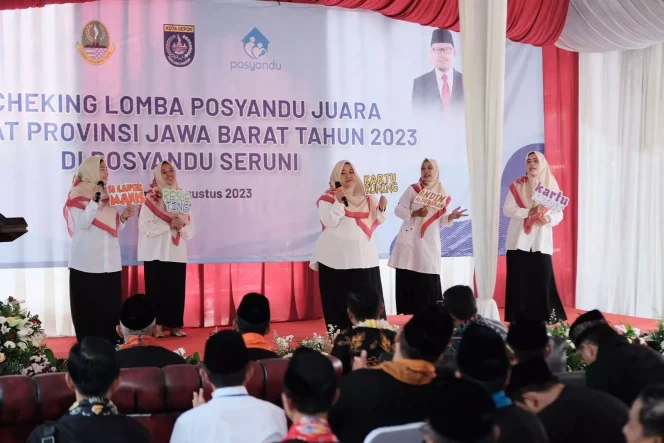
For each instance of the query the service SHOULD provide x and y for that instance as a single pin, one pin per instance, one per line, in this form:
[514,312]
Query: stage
[196,337]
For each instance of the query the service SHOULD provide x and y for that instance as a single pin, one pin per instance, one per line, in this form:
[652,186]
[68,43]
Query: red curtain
[561,138]
[24,4]
[535,22]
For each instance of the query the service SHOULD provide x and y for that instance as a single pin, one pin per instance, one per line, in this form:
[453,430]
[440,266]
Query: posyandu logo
[256,46]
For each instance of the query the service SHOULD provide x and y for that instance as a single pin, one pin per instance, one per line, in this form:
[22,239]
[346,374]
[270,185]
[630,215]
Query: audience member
[569,414]
[396,392]
[461,304]
[528,339]
[137,326]
[310,389]
[614,365]
[482,359]
[646,418]
[461,412]
[253,322]
[368,332]
[232,415]
[93,374]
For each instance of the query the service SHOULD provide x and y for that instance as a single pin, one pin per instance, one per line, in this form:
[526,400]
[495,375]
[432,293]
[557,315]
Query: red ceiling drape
[214,290]
[535,22]
[24,4]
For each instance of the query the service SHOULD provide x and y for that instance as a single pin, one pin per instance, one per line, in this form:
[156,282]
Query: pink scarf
[157,205]
[83,190]
[435,186]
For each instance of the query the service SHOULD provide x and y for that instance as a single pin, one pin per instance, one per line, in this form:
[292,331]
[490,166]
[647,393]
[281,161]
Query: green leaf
[50,356]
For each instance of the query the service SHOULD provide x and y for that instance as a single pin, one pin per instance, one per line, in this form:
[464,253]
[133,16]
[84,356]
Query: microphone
[343,199]
[98,194]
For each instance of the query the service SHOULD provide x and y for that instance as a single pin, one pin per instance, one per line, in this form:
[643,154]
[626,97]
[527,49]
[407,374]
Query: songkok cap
[310,375]
[527,335]
[225,353]
[441,36]
[584,324]
[254,308]
[462,411]
[137,312]
[482,355]
[429,331]
[533,372]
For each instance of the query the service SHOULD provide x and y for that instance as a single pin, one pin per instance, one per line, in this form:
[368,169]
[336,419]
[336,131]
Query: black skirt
[165,285]
[96,302]
[416,291]
[335,284]
[531,291]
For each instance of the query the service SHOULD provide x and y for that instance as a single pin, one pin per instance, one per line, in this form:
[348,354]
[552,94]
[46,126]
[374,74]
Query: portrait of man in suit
[440,90]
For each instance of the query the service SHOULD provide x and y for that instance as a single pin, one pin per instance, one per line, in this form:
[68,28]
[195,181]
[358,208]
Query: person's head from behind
[253,314]
[588,332]
[460,303]
[646,418]
[461,412]
[425,336]
[138,317]
[482,358]
[442,49]
[532,385]
[226,360]
[363,305]
[92,368]
[310,385]
[528,339]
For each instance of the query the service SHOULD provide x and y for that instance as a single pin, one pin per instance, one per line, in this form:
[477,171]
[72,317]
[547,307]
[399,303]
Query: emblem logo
[95,47]
[255,44]
[179,45]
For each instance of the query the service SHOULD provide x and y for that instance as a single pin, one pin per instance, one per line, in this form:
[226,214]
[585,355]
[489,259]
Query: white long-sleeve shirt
[231,416]
[412,251]
[93,250]
[155,238]
[540,238]
[343,244]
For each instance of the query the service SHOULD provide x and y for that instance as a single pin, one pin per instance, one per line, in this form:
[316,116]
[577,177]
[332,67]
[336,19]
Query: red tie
[445,96]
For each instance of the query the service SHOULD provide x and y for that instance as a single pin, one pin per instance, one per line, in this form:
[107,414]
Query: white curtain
[483,28]
[612,25]
[621,180]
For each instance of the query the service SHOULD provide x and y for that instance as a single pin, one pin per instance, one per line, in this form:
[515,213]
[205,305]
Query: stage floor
[196,337]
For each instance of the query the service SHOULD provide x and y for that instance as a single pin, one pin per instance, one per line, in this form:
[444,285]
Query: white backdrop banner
[253,103]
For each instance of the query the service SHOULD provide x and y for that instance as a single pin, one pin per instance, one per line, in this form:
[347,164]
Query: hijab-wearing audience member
[310,388]
[469,418]
[646,418]
[482,359]
[93,374]
[615,366]
[397,392]
[253,322]
[569,414]
[232,415]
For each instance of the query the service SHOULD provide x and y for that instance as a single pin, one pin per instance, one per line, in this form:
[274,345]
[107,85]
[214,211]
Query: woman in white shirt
[162,246]
[416,253]
[345,253]
[531,291]
[95,263]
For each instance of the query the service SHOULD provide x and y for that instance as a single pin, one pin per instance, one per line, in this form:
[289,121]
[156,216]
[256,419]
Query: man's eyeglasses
[442,50]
